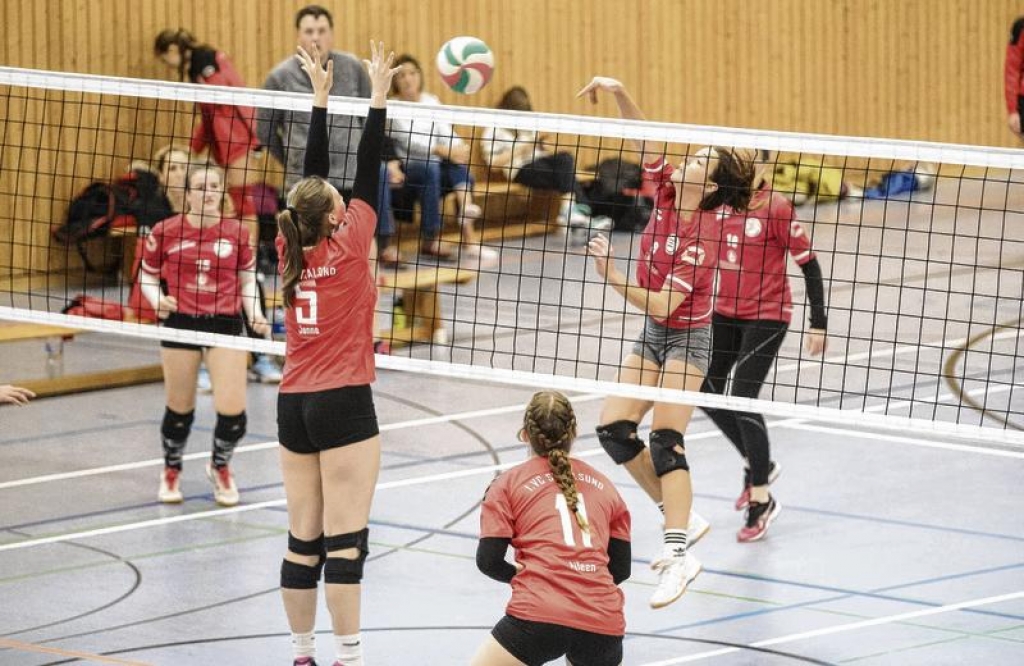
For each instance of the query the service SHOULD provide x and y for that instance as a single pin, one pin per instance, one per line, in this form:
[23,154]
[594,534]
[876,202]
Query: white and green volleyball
[465,64]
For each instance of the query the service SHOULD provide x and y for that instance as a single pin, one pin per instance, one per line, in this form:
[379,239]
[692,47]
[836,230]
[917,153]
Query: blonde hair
[302,224]
[550,426]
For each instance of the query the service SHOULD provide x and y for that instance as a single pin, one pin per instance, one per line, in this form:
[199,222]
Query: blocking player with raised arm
[327,424]
[570,531]
[753,309]
[673,288]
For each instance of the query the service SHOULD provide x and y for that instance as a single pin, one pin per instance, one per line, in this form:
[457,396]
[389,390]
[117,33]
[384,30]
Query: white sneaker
[265,371]
[203,383]
[225,492]
[674,575]
[170,487]
[698,527]
[475,256]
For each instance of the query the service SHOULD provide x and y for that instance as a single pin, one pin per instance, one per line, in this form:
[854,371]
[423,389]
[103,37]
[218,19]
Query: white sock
[675,543]
[349,650]
[304,645]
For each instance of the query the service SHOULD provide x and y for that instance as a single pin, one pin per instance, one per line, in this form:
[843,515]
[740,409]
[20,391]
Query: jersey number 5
[305,316]
[569,524]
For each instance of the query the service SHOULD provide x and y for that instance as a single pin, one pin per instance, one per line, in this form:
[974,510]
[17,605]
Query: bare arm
[628,109]
[658,304]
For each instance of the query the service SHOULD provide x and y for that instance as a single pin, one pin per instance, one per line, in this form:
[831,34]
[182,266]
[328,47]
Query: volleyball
[465,64]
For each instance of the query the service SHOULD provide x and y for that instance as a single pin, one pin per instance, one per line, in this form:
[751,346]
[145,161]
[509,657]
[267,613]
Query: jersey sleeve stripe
[681,282]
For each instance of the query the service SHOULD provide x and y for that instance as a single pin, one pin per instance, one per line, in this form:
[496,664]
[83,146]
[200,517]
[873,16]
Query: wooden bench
[421,302]
[57,383]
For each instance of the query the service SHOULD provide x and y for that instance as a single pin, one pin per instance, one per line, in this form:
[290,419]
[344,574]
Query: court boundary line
[842,628]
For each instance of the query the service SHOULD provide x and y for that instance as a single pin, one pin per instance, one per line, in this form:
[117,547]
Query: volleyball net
[921,247]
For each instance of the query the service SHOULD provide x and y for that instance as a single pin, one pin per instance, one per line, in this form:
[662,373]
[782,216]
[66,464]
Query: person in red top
[1013,77]
[673,287]
[208,267]
[753,308]
[570,531]
[226,129]
[327,425]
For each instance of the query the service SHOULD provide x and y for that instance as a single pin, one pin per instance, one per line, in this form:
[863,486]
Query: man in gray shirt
[284,132]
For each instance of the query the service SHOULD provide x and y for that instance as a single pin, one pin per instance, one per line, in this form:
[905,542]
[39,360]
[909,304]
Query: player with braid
[570,531]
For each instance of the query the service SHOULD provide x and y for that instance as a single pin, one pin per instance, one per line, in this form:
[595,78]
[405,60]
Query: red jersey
[1013,67]
[752,280]
[329,328]
[227,129]
[200,265]
[565,579]
[682,253]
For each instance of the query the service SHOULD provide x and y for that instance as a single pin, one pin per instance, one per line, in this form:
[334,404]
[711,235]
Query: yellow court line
[88,656]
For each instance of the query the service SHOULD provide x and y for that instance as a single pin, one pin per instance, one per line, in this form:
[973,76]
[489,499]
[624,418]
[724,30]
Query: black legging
[747,348]
[552,172]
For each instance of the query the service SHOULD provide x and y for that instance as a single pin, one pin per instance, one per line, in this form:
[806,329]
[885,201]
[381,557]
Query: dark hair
[515,99]
[184,40]
[550,426]
[404,59]
[303,223]
[734,176]
[316,11]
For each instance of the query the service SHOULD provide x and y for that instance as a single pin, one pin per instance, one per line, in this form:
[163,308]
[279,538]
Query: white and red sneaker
[170,487]
[225,492]
[759,516]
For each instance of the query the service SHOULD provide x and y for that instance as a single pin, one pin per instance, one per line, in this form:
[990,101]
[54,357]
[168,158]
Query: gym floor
[891,548]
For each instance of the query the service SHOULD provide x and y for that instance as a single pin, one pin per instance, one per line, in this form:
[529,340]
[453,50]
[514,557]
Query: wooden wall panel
[914,69]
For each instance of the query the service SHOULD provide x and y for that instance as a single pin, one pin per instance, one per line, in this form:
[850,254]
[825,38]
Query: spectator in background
[527,159]
[436,161]
[1013,76]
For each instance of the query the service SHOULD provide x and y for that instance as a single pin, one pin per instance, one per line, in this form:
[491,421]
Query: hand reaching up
[381,72]
[321,79]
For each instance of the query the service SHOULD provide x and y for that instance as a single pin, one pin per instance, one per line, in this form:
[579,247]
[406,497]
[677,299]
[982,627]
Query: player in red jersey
[207,264]
[226,129]
[753,308]
[673,287]
[327,425]
[570,531]
[1013,77]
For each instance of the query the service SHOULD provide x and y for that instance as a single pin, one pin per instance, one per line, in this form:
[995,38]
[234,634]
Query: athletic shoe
[265,371]
[170,488]
[698,527]
[774,469]
[304,661]
[759,516]
[203,383]
[225,492]
[674,575]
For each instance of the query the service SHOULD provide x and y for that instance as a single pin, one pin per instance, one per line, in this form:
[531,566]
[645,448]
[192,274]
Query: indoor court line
[442,476]
[842,628]
[85,656]
[446,418]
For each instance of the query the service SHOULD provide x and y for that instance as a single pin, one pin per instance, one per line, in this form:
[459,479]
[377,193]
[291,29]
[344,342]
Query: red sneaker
[759,516]
[744,499]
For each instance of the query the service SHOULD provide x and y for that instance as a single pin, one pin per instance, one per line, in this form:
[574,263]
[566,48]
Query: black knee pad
[295,576]
[230,428]
[663,454]
[176,427]
[315,547]
[342,570]
[620,441]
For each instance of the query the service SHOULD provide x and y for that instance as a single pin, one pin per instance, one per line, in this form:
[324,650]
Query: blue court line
[842,592]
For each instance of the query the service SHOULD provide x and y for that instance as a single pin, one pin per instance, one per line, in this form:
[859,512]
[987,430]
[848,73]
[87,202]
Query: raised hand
[597,83]
[321,79]
[380,70]
[601,250]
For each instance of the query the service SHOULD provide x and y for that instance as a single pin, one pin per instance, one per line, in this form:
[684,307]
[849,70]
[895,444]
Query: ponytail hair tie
[294,213]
